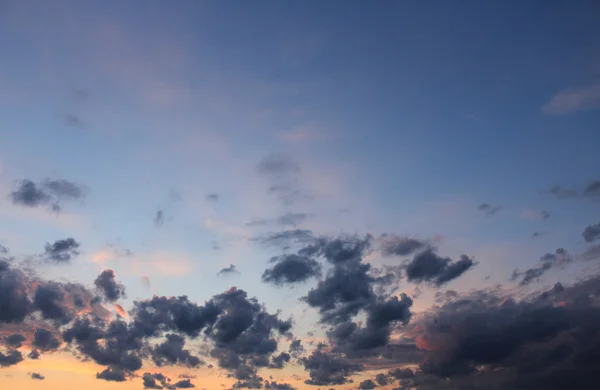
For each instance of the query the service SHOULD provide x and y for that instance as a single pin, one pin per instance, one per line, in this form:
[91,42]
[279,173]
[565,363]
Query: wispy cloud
[573,100]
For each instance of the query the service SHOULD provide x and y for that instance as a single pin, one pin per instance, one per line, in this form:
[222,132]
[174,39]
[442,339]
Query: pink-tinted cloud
[573,100]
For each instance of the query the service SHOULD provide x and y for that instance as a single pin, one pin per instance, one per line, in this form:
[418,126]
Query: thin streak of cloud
[574,100]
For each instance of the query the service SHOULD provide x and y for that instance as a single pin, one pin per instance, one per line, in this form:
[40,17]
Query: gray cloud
[108,286]
[591,233]
[61,251]
[367,384]
[228,270]
[431,268]
[547,262]
[286,238]
[489,209]
[159,218]
[400,246]
[49,192]
[290,269]
[44,340]
[277,164]
[10,358]
[112,374]
[484,340]
[327,368]
[38,376]
[213,197]
[73,120]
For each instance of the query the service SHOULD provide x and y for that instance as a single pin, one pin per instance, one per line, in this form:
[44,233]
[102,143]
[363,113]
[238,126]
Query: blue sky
[387,117]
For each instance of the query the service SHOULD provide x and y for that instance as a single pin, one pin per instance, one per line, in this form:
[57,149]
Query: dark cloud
[545,214]
[489,209]
[591,233]
[485,339]
[286,238]
[73,120]
[591,253]
[150,380]
[562,192]
[431,268]
[328,368]
[14,301]
[14,340]
[277,164]
[593,189]
[117,344]
[296,348]
[34,355]
[212,197]
[401,373]
[381,379]
[112,374]
[290,269]
[159,218]
[47,193]
[184,384]
[228,270]
[38,376]
[61,251]
[400,246]
[171,352]
[278,386]
[547,262]
[288,219]
[44,340]
[10,358]
[292,219]
[108,286]
[3,250]
[367,384]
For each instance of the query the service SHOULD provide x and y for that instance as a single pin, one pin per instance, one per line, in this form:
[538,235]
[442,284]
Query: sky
[298,195]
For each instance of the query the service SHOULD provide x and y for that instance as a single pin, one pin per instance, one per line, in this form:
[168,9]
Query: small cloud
[46,193]
[228,270]
[213,197]
[489,209]
[159,218]
[593,189]
[215,246]
[73,120]
[38,376]
[61,251]
[146,281]
[534,214]
[591,233]
[277,164]
[574,100]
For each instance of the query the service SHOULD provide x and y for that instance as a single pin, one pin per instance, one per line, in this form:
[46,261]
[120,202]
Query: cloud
[277,164]
[489,209]
[367,384]
[44,340]
[10,358]
[73,120]
[290,269]
[429,267]
[38,376]
[485,339]
[171,352]
[14,340]
[326,368]
[212,197]
[61,251]
[574,100]
[547,262]
[108,286]
[112,374]
[591,253]
[159,218]
[593,189]
[591,233]
[400,246]
[288,219]
[50,193]
[228,270]
[285,238]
